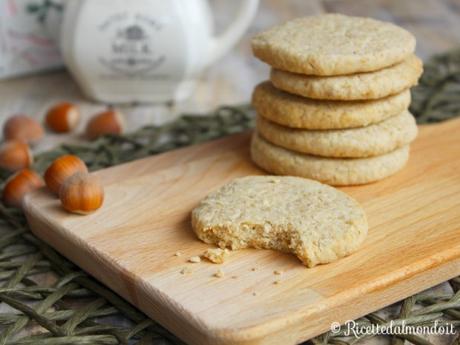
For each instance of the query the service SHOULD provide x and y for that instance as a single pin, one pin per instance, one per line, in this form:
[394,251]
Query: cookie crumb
[254,293]
[178,254]
[219,274]
[186,270]
[276,272]
[276,282]
[253,269]
[194,259]
[216,255]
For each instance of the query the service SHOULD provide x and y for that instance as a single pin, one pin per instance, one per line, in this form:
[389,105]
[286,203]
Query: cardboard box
[28,36]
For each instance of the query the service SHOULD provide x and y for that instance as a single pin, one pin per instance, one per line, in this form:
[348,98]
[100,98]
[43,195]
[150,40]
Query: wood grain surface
[130,245]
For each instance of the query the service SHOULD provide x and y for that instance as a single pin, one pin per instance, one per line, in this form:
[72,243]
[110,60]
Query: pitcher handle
[222,44]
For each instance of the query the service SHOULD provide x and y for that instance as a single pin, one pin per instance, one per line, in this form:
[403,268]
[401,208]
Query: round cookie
[333,171]
[333,44]
[374,140]
[362,86]
[317,223]
[300,112]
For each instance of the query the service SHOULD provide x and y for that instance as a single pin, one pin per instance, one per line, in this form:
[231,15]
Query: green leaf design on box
[41,9]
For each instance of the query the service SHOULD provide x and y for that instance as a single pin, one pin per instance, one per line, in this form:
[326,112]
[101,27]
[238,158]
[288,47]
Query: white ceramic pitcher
[123,51]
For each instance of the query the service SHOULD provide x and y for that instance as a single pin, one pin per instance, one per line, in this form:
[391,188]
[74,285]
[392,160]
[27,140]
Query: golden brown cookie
[333,44]
[317,223]
[299,112]
[373,140]
[362,86]
[333,171]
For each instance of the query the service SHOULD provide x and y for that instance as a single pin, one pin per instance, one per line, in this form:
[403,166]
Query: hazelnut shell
[18,185]
[22,127]
[61,169]
[82,194]
[108,122]
[15,155]
[63,117]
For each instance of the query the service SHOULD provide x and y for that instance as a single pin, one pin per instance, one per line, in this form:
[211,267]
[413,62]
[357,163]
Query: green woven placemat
[48,300]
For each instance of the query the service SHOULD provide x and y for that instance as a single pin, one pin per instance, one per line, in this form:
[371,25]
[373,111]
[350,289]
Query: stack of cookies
[336,106]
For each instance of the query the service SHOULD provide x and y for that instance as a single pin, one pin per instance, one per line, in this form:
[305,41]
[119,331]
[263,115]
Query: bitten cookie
[333,44]
[317,223]
[333,171]
[374,140]
[362,86]
[300,112]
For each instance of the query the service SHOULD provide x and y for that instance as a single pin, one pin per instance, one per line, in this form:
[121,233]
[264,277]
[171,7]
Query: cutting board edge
[132,289]
[298,331]
[39,226]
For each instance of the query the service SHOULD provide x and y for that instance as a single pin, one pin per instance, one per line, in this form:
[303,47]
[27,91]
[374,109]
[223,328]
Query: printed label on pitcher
[135,48]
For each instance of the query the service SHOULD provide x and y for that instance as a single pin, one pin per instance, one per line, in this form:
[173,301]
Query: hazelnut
[22,127]
[15,155]
[61,169]
[82,193]
[18,185]
[63,117]
[108,122]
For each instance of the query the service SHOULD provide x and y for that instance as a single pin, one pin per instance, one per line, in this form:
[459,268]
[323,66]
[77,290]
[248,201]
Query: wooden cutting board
[413,244]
